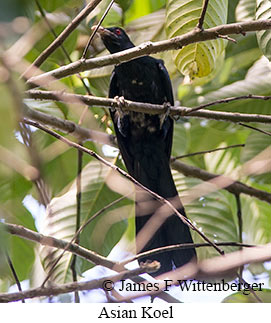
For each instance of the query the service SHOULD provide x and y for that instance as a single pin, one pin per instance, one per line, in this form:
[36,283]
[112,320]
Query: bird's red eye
[118,32]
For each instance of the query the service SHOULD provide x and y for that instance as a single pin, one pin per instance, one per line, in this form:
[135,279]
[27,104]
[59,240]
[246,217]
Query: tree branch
[227,100]
[69,127]
[183,246]
[235,187]
[78,286]
[256,129]
[154,108]
[206,152]
[193,36]
[28,234]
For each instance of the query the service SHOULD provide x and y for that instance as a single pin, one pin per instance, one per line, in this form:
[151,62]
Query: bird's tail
[156,224]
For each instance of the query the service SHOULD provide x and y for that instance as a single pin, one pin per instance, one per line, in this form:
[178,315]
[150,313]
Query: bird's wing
[165,81]
[118,123]
[168,123]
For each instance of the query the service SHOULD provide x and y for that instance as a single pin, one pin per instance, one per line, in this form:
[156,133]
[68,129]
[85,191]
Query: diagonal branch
[69,127]
[28,234]
[178,42]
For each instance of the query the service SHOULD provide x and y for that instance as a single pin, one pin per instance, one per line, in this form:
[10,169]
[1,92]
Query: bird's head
[115,39]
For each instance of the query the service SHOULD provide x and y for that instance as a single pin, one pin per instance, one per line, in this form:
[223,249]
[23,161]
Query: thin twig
[14,275]
[206,152]
[256,129]
[182,246]
[227,100]
[202,15]
[96,28]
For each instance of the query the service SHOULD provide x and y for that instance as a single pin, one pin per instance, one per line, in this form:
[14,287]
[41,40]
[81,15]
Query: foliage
[217,69]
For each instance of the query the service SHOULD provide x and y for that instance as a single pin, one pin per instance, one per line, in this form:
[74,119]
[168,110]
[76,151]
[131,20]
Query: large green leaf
[256,220]
[264,36]
[214,214]
[245,10]
[257,81]
[200,59]
[100,235]
[255,144]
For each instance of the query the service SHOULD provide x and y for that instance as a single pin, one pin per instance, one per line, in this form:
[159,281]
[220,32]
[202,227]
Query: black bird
[145,143]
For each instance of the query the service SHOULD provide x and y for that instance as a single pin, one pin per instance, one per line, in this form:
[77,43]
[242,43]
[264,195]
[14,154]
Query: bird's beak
[103,32]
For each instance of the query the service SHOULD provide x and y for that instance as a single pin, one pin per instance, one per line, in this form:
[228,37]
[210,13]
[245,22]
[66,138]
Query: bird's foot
[121,104]
[164,116]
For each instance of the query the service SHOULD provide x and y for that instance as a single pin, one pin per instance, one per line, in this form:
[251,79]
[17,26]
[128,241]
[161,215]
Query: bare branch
[206,152]
[214,268]
[57,243]
[235,187]
[256,129]
[69,127]
[227,100]
[96,28]
[193,36]
[15,276]
[72,287]
[183,246]
[154,108]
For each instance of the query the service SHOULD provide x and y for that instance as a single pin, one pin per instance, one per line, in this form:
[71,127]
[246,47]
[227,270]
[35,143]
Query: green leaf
[124,4]
[20,251]
[257,82]
[256,142]
[196,60]
[138,9]
[101,235]
[245,10]
[240,297]
[263,11]
[256,220]
[180,140]
[213,214]
[51,6]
